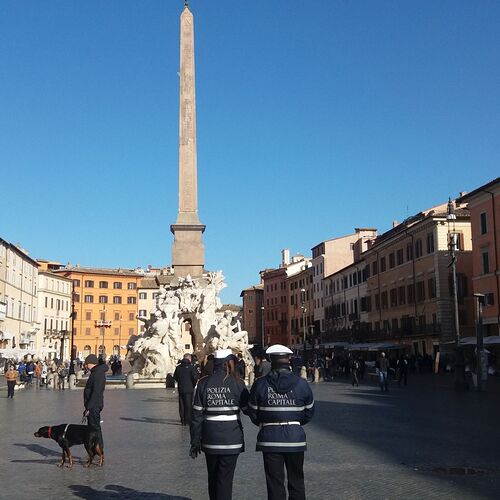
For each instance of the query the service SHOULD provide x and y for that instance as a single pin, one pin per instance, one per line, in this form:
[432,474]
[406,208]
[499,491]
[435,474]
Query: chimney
[394,223]
[285,257]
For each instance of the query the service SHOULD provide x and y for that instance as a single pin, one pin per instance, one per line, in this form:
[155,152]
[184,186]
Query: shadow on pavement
[149,420]
[115,491]
[41,450]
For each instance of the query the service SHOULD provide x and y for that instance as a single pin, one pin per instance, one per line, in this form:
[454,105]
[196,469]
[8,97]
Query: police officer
[281,403]
[216,427]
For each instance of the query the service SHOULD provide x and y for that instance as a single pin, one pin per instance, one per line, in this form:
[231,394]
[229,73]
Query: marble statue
[157,351]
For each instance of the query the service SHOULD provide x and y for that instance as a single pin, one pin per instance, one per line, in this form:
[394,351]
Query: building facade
[300,327]
[484,206]
[53,339]
[18,301]
[253,313]
[106,309]
[408,293]
[346,315]
[330,256]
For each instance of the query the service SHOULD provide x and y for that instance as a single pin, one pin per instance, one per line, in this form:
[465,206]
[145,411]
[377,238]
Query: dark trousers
[94,421]
[274,467]
[403,376]
[185,407]
[355,377]
[10,388]
[220,476]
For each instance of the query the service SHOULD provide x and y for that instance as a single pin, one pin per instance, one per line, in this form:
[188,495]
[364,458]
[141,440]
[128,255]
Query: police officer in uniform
[281,403]
[216,427]
[185,375]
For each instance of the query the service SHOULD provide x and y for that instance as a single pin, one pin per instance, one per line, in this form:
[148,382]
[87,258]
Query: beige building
[408,298]
[54,315]
[328,257]
[18,301]
[345,304]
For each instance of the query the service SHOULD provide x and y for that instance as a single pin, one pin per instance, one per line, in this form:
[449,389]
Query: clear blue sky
[314,117]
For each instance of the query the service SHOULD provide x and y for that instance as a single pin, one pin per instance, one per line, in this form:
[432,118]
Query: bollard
[316,375]
[72,381]
[130,380]
[303,373]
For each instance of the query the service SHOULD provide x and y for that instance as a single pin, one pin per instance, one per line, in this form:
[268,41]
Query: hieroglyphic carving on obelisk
[188,252]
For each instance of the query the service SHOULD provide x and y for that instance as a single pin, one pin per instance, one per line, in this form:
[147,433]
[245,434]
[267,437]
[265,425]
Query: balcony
[101,323]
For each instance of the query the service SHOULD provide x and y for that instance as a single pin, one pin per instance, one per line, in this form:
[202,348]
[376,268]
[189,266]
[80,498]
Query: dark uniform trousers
[274,467]
[185,407]
[220,475]
[94,421]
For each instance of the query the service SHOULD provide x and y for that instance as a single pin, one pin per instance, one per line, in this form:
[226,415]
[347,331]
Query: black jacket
[281,403]
[93,394]
[185,375]
[216,423]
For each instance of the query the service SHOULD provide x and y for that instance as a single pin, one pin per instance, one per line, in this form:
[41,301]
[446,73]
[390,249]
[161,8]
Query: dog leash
[64,433]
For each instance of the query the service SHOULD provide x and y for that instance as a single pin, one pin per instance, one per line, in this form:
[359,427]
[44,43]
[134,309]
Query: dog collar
[50,432]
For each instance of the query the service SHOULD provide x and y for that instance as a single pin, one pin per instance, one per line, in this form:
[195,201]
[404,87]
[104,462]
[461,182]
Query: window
[131,331]
[88,315]
[117,316]
[489,299]
[89,299]
[393,295]
[117,285]
[46,301]
[131,286]
[392,260]
[409,252]
[431,287]
[483,224]
[402,295]
[462,288]
[377,301]
[399,257]
[384,300]
[117,300]
[76,297]
[131,316]
[103,299]
[87,331]
[374,268]
[142,312]
[420,291]
[144,295]
[76,283]
[430,242]
[382,264]
[486,261]
[103,284]
[410,294]
[418,248]
[89,284]
[131,300]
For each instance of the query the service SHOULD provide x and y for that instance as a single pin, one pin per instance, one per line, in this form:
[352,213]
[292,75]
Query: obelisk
[188,251]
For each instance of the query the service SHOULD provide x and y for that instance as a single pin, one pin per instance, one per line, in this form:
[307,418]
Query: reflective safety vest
[281,403]
[216,424]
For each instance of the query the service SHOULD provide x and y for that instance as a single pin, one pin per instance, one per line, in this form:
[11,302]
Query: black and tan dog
[68,435]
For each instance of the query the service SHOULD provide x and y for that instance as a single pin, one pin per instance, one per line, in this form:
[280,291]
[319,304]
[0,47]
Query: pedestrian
[354,372]
[11,377]
[216,427]
[21,369]
[383,373]
[62,373]
[43,375]
[403,370]
[186,376]
[263,368]
[241,366]
[30,371]
[281,403]
[93,394]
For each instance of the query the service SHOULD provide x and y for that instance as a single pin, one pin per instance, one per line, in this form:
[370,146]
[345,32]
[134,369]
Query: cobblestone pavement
[362,445]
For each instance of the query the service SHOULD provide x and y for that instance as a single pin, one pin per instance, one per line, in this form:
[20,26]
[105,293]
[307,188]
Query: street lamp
[262,325]
[481,358]
[460,383]
[304,328]
[72,323]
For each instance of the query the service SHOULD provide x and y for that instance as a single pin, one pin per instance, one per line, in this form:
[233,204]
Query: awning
[491,340]
[371,346]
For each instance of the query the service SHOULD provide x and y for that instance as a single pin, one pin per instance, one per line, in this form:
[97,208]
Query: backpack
[63,372]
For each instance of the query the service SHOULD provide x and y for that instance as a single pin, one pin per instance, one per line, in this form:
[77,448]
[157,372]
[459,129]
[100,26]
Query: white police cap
[222,353]
[278,349]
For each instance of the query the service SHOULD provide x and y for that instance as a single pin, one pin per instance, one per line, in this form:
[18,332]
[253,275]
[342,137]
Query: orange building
[105,309]
[484,206]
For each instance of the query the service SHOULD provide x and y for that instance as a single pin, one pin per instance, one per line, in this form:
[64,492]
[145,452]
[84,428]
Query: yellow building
[105,309]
